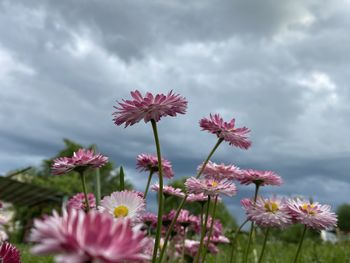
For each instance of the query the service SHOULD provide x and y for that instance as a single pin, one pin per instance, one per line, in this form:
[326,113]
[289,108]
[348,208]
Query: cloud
[279,67]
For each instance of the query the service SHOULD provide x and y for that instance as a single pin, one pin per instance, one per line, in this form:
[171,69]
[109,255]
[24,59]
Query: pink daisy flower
[82,159]
[88,237]
[313,215]
[270,212]
[226,131]
[78,202]
[185,218]
[148,108]
[197,198]
[149,219]
[220,171]
[148,162]
[260,178]
[169,190]
[210,187]
[9,253]
[125,204]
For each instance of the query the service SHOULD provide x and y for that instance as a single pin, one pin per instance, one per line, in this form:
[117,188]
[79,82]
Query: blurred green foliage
[343,213]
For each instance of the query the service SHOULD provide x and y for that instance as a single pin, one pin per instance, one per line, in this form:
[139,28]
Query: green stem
[264,245]
[160,193]
[148,183]
[211,229]
[82,178]
[183,246]
[203,232]
[245,259]
[235,239]
[300,245]
[97,186]
[122,179]
[170,229]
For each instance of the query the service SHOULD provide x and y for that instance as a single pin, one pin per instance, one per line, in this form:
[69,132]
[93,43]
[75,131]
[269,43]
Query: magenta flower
[271,212]
[210,187]
[184,218]
[313,215]
[88,237]
[125,204]
[78,202]
[148,162]
[260,178]
[197,198]
[148,108]
[149,219]
[82,159]
[220,171]
[226,131]
[9,253]
[169,190]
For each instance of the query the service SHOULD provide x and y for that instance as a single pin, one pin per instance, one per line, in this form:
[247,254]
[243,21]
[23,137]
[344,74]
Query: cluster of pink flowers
[120,230]
[81,159]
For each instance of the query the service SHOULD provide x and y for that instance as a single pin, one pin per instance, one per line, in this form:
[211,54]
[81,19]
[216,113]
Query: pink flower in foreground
[9,253]
[313,215]
[148,108]
[272,212]
[220,171]
[125,204]
[81,159]
[260,178]
[169,190]
[148,162]
[210,187]
[226,131]
[88,237]
[78,201]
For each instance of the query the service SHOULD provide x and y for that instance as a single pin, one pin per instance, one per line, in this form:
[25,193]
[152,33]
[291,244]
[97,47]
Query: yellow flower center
[121,211]
[271,207]
[309,208]
[214,184]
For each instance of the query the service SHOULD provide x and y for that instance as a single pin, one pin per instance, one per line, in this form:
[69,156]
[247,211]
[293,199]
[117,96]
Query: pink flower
[81,159]
[125,204]
[149,219]
[260,178]
[210,187]
[226,131]
[148,108]
[220,171]
[169,190]
[221,239]
[191,248]
[271,212]
[78,201]
[148,162]
[88,237]
[184,218]
[197,198]
[313,215]
[9,253]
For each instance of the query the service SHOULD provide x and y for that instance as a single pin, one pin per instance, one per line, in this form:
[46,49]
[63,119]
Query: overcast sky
[281,68]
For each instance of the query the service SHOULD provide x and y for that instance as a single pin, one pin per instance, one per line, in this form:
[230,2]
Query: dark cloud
[279,67]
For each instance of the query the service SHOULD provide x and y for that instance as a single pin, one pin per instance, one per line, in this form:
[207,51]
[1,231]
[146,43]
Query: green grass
[276,252]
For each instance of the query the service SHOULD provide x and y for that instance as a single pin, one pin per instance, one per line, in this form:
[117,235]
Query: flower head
[78,201]
[226,131]
[81,159]
[149,219]
[313,215]
[197,198]
[260,178]
[125,204]
[169,190]
[220,171]
[210,187]
[9,253]
[148,108]
[148,162]
[88,237]
[271,212]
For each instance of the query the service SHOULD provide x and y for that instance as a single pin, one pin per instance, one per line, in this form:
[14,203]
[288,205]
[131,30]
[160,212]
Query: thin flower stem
[122,179]
[235,239]
[300,245]
[245,259]
[170,229]
[82,178]
[183,246]
[203,232]
[148,183]
[211,229]
[160,194]
[264,245]
[97,186]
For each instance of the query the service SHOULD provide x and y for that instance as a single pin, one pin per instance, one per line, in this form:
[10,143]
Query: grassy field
[277,252]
